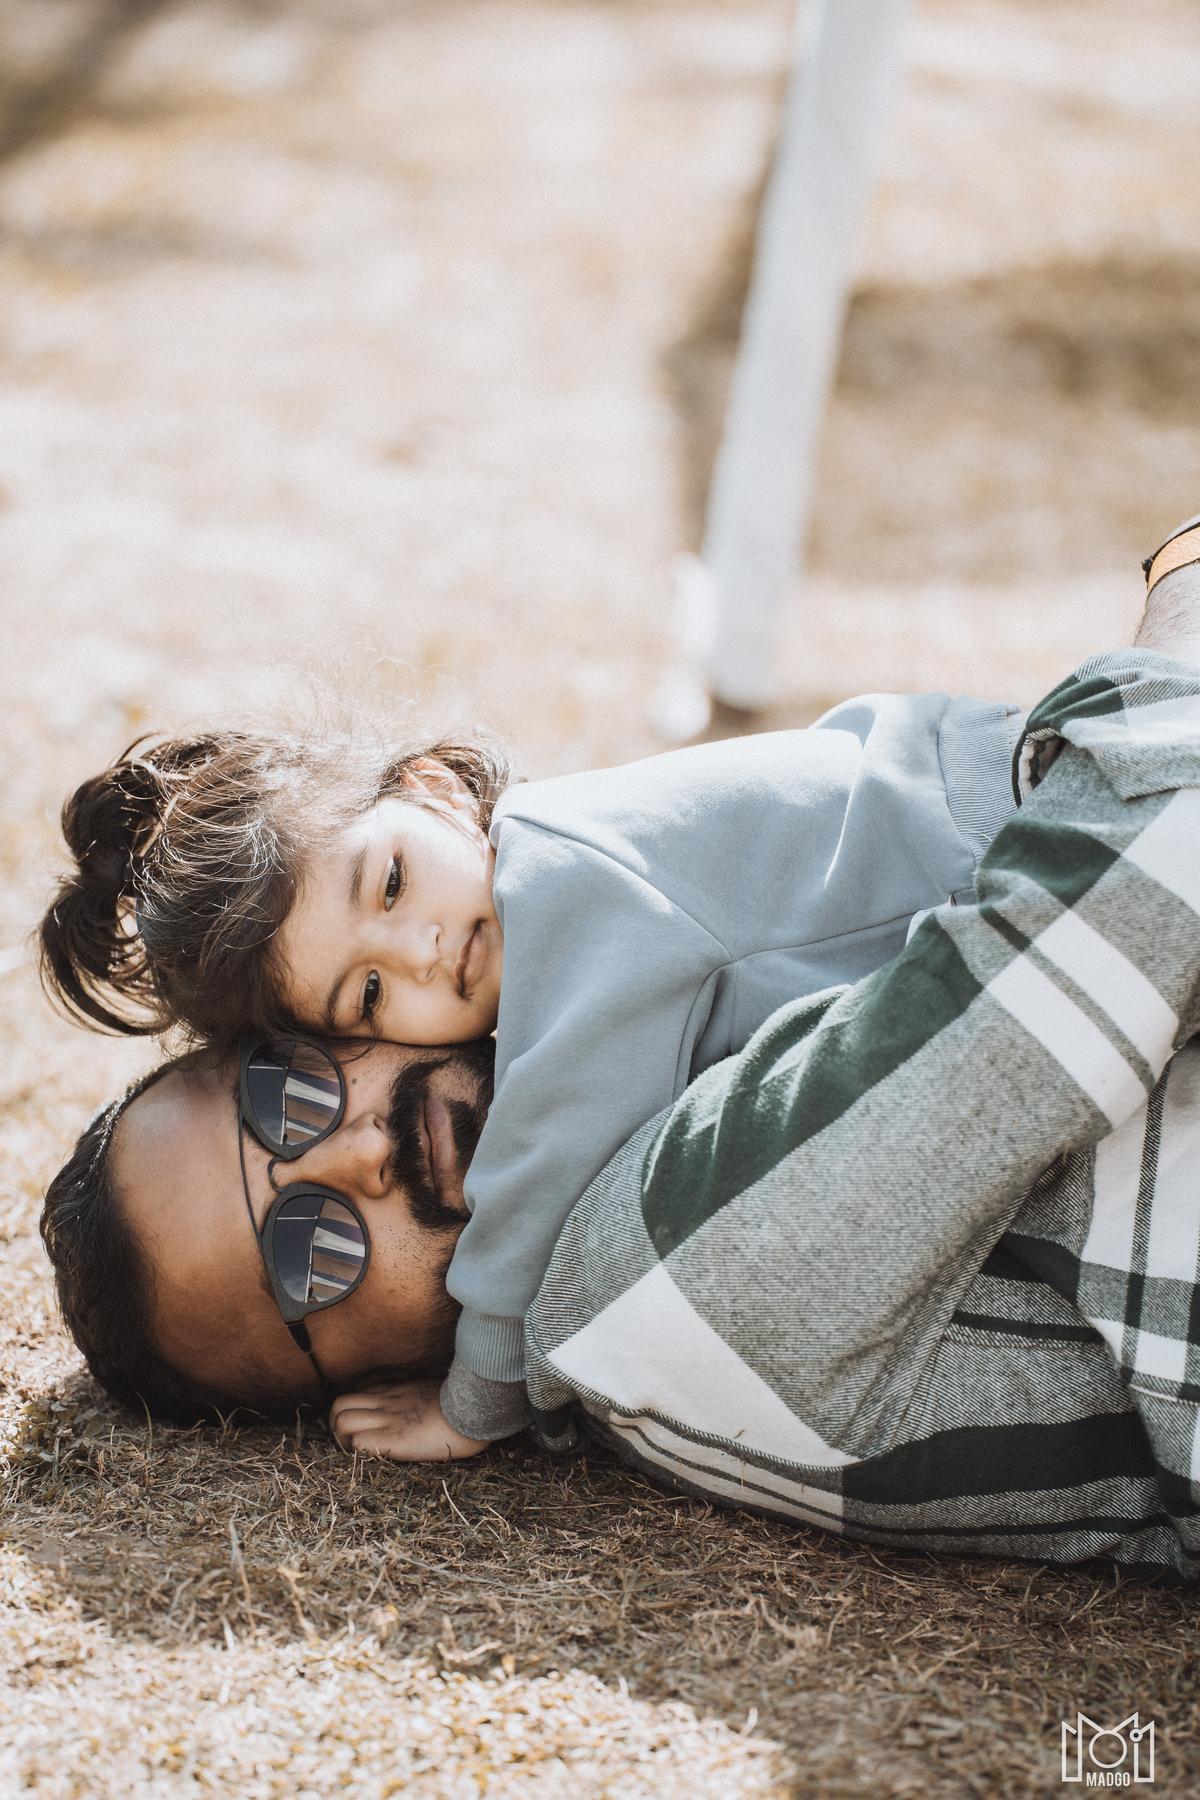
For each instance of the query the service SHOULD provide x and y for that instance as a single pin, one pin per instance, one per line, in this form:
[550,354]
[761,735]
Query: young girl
[647,920]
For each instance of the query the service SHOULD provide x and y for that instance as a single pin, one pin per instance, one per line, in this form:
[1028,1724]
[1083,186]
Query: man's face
[411,1123]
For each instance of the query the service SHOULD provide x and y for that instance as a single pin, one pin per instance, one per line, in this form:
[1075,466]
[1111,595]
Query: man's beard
[467,1118]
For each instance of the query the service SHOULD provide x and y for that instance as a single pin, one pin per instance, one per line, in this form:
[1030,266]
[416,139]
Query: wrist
[1180,549]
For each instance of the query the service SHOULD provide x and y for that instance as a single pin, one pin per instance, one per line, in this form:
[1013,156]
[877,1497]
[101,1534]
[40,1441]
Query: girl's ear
[429,776]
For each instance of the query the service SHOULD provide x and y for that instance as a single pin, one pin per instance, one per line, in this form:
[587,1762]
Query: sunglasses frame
[293,1312]
[284,1152]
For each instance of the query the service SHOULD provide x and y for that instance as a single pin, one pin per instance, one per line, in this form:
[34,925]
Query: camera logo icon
[1108,1756]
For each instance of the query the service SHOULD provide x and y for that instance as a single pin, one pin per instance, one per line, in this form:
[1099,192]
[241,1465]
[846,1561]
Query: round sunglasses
[314,1241]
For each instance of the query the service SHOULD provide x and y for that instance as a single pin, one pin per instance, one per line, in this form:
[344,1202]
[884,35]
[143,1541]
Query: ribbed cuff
[490,1345]
[483,1409]
[975,747]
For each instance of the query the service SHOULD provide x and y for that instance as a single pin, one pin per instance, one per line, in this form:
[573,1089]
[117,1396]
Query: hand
[402,1420]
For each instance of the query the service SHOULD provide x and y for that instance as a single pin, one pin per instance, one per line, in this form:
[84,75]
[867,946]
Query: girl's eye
[395,882]
[372,994]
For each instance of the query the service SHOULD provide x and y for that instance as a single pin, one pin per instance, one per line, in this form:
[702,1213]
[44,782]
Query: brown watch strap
[1176,553]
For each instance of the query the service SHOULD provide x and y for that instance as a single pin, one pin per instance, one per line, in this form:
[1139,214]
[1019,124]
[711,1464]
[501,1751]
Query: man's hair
[106,1294]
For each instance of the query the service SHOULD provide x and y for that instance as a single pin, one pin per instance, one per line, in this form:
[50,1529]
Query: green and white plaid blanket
[921,1263]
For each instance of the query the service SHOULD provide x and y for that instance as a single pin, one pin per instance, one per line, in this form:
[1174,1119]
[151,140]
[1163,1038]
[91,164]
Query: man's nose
[356,1157]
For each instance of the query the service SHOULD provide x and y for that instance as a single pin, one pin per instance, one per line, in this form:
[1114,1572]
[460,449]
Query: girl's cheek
[394,1025]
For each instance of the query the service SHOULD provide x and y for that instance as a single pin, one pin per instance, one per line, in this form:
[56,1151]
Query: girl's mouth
[466,969]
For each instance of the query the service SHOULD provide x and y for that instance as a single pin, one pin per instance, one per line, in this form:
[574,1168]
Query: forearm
[900,1126]
[1171,621]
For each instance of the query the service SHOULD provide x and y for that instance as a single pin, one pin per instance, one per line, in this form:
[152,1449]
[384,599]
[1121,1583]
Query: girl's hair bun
[93,961]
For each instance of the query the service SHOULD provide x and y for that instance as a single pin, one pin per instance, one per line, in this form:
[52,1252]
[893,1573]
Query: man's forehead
[175,1146]
[178,1180]
[188,1099]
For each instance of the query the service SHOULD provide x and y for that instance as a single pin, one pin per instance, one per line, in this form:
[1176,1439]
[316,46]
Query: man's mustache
[408,1094]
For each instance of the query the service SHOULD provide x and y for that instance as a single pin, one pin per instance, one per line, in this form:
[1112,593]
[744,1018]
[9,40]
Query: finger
[369,1440]
[370,1418]
[398,1393]
[347,1403]
[385,1440]
[360,1397]
[361,1418]
[424,1391]
[357,1410]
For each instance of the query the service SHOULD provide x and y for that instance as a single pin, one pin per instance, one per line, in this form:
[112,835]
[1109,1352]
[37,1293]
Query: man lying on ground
[919,1264]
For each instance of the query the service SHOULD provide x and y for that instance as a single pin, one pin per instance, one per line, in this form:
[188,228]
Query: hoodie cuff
[480,1408]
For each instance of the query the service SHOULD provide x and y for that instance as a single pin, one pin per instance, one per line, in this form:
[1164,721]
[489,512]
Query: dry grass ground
[389,339]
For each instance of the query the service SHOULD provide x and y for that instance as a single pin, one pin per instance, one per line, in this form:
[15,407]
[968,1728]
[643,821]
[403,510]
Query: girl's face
[393,931]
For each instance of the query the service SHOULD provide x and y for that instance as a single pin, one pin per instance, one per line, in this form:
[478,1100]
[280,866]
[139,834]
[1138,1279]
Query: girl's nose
[356,1158]
[413,950]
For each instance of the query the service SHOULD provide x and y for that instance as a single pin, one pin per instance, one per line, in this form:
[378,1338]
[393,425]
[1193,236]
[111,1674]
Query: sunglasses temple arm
[300,1337]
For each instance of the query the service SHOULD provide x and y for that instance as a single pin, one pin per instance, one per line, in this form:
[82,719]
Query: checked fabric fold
[920,1264]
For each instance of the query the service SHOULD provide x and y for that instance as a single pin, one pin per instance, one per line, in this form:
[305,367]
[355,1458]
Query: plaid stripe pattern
[921,1263]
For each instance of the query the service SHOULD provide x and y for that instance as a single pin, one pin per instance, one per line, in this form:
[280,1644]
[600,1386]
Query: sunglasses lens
[295,1090]
[319,1249]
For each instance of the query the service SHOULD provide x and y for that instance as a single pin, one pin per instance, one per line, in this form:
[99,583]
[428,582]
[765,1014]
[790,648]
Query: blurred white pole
[845,71]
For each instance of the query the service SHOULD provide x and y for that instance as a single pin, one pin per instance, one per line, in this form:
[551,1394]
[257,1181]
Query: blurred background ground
[389,341]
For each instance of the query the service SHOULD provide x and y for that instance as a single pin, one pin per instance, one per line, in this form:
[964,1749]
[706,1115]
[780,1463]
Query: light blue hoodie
[654,916]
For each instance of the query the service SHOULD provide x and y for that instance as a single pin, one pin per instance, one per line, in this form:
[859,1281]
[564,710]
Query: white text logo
[1108,1756]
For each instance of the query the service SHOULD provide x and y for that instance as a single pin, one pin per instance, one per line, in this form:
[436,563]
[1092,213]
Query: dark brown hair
[106,1294]
[188,857]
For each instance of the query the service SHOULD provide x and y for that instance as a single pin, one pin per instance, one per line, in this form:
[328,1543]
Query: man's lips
[466,969]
